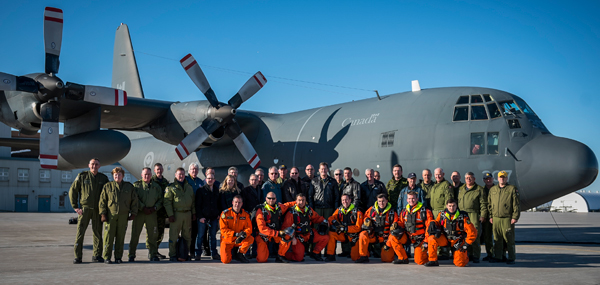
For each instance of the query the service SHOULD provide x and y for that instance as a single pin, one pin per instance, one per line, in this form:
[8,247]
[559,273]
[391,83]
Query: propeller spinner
[49,89]
[223,114]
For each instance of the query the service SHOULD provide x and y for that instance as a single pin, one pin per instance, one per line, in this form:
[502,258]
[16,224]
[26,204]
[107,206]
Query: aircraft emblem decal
[149,159]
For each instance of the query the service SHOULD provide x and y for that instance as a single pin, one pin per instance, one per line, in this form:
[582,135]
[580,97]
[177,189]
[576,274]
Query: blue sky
[543,51]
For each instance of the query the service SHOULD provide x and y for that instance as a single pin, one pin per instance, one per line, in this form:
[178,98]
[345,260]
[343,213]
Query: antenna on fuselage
[377,93]
[416,86]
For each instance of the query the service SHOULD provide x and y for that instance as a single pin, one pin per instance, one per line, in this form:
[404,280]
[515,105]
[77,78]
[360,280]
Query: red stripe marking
[190,66]
[178,154]
[48,156]
[257,165]
[185,149]
[252,159]
[263,77]
[53,19]
[124,98]
[258,81]
[185,57]
[52,9]
[49,166]
[116,97]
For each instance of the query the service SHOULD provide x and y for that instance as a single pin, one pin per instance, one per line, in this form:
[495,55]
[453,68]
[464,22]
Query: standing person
[196,183]
[472,201]
[427,184]
[293,186]
[395,185]
[236,231]
[324,193]
[150,200]
[441,192]
[181,209]
[283,174]
[302,218]
[269,218]
[416,220]
[271,185]
[370,190]
[338,176]
[458,233]
[252,198]
[486,227]
[377,175]
[207,206]
[117,201]
[380,220]
[216,185]
[85,196]
[161,214]
[351,188]
[456,183]
[505,210]
[228,191]
[310,174]
[260,175]
[348,221]
[233,171]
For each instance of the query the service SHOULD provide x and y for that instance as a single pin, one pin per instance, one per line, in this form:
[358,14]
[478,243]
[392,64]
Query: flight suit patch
[222,216]
[242,218]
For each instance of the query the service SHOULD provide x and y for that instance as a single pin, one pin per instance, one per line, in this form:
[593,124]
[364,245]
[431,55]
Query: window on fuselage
[526,109]
[510,107]
[463,100]
[476,99]
[461,113]
[488,98]
[494,111]
[478,112]
[477,143]
[492,143]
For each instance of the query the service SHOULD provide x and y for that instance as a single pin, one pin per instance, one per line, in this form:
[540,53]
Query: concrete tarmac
[37,248]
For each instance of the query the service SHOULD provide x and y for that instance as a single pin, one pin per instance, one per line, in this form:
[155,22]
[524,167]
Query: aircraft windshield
[510,106]
[526,109]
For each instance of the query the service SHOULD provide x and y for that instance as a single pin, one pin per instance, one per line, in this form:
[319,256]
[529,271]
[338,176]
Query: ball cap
[282,167]
[487,175]
[502,174]
[412,175]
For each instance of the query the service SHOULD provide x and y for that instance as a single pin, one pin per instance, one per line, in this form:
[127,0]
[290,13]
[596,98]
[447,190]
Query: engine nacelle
[108,146]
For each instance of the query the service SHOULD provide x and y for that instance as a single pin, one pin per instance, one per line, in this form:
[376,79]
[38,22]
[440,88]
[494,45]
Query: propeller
[223,114]
[49,89]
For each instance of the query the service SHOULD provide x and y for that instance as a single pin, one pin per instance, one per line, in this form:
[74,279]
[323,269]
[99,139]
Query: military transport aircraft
[458,128]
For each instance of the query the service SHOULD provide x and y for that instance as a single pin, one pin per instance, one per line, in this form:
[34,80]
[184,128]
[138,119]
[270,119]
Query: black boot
[432,263]
[242,258]
[362,259]
[315,256]
[97,259]
[330,258]
[77,261]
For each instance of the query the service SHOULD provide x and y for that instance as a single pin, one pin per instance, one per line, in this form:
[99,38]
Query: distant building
[578,202]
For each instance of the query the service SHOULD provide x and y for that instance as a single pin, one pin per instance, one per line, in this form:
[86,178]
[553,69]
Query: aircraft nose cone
[550,167]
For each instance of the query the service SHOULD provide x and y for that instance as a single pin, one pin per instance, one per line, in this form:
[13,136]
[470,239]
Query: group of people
[287,217]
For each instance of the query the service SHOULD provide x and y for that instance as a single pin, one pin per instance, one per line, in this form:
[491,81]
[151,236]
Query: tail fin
[125,74]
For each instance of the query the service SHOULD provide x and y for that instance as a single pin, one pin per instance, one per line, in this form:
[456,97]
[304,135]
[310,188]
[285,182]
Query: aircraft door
[21,204]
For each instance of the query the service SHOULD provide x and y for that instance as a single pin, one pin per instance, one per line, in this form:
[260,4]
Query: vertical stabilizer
[125,74]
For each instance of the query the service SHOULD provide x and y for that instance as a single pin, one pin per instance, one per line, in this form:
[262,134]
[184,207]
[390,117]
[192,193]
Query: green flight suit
[393,188]
[504,205]
[85,194]
[117,202]
[179,202]
[440,193]
[161,214]
[487,234]
[149,196]
[473,201]
[427,189]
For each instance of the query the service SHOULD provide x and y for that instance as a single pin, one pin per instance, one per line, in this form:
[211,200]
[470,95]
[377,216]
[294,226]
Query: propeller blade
[244,146]
[195,73]
[195,139]
[49,135]
[53,28]
[96,94]
[255,83]
[10,82]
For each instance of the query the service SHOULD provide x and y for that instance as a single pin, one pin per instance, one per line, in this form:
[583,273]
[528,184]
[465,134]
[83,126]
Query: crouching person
[236,231]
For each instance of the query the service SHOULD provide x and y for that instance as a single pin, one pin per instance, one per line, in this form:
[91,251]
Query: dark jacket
[369,194]
[291,188]
[252,197]
[351,189]
[324,193]
[207,203]
[227,198]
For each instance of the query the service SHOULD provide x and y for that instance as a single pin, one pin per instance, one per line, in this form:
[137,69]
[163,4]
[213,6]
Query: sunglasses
[269,198]
[338,174]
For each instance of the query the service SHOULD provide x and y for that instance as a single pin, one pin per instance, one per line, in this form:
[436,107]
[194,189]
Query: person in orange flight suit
[269,218]
[458,232]
[236,231]
[416,220]
[348,220]
[379,219]
[301,217]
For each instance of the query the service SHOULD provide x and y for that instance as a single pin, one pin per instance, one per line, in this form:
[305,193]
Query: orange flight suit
[269,226]
[462,226]
[389,216]
[230,224]
[302,219]
[418,231]
[353,220]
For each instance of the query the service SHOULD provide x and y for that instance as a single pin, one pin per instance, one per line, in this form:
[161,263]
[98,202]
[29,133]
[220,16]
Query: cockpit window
[526,109]
[477,143]
[488,98]
[461,113]
[478,112]
[476,99]
[463,100]
[494,111]
[510,107]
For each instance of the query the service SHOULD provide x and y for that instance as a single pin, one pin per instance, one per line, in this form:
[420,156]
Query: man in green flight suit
[84,195]
[117,201]
[395,185]
[179,202]
[505,209]
[161,214]
[150,200]
[439,195]
[472,199]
